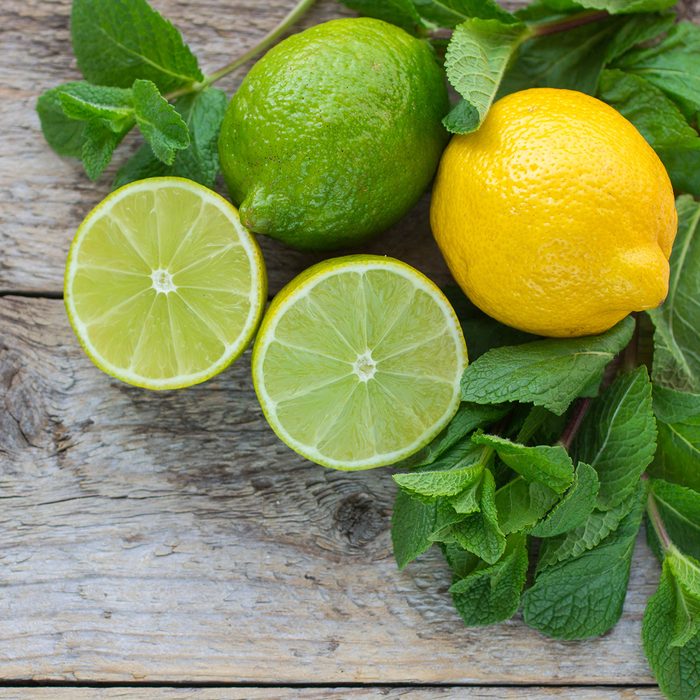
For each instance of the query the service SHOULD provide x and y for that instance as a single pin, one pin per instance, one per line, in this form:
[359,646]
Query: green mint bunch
[558,450]
[629,53]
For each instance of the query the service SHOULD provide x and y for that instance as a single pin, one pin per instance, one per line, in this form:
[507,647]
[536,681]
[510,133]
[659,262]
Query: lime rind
[321,371]
[252,300]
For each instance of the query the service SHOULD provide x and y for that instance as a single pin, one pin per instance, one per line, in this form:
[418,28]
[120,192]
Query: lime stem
[562,25]
[297,12]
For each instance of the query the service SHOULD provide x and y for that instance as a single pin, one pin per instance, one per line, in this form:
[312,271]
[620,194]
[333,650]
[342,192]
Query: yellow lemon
[556,216]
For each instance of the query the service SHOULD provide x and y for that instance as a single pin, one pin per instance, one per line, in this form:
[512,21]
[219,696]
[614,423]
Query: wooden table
[168,545]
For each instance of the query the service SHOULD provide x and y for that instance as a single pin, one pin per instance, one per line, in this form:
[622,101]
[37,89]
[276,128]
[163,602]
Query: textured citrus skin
[556,216]
[335,133]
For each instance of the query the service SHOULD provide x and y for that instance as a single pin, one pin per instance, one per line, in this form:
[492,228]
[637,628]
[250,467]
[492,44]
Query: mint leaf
[450,13]
[677,457]
[597,526]
[159,122]
[476,58]
[412,523]
[638,29]
[679,508]
[611,6]
[575,506]
[98,145]
[479,532]
[571,59]
[672,65]
[203,113]
[677,321]
[468,418]
[402,13]
[549,373]
[618,436]
[65,135]
[548,465]
[119,41]
[583,597]
[520,504]
[676,668]
[541,425]
[439,483]
[113,107]
[490,594]
[686,573]
[467,501]
[659,121]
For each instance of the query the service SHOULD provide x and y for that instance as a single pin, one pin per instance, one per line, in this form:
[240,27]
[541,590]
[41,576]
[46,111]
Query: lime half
[164,286]
[358,361]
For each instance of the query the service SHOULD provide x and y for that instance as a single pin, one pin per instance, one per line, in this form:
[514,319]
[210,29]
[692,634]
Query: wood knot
[359,519]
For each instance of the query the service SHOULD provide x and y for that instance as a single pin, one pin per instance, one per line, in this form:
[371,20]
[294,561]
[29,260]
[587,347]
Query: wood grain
[172,537]
[43,198]
[473,693]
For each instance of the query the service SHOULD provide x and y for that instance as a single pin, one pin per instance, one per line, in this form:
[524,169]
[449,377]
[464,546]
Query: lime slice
[358,361]
[164,286]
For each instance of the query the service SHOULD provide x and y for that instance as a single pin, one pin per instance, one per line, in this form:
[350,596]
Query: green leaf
[597,526]
[113,107]
[549,373]
[202,112]
[679,508]
[460,561]
[575,506]
[159,121]
[479,532]
[468,500]
[612,6]
[477,57]
[450,13]
[484,332]
[676,668]
[686,573]
[520,504]
[65,135]
[659,121]
[637,30]
[672,65]
[677,321]
[468,418]
[583,597]
[618,436]
[119,41]
[439,483]
[541,425]
[412,523]
[402,13]
[572,59]
[548,465]
[98,145]
[677,457]
[492,593]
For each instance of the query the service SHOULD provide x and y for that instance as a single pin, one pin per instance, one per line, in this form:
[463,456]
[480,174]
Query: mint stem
[563,25]
[658,524]
[572,427]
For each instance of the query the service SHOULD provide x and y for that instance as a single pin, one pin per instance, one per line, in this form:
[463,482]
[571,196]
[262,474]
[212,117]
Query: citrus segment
[164,287]
[358,361]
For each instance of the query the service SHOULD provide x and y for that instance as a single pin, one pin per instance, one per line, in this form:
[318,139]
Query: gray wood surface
[170,537]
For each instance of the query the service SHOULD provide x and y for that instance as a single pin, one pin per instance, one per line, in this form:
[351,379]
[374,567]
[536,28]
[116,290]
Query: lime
[334,133]
[164,287]
[357,362]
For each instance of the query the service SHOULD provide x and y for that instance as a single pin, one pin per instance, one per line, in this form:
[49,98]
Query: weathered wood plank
[43,197]
[172,537]
[474,693]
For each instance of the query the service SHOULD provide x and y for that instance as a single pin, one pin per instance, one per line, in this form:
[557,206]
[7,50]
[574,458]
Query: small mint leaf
[119,41]
[548,465]
[65,135]
[98,146]
[412,523]
[679,508]
[490,594]
[676,668]
[159,121]
[583,597]
[439,483]
[86,102]
[575,506]
[520,504]
[476,59]
[618,436]
[549,373]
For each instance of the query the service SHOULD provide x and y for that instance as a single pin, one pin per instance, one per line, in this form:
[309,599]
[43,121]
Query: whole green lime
[334,134]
